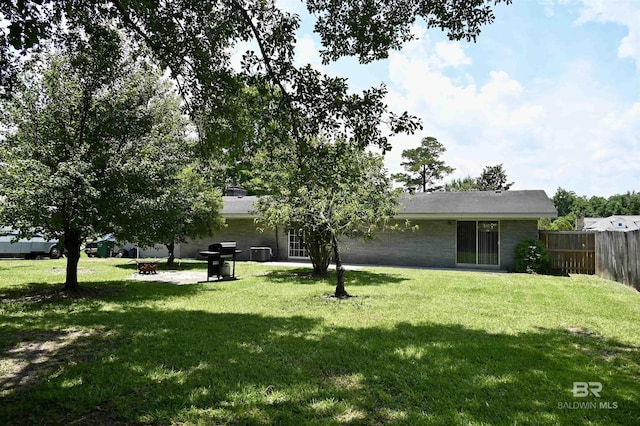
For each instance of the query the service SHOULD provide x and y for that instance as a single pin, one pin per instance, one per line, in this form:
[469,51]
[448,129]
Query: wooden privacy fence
[617,257]
[612,255]
[572,252]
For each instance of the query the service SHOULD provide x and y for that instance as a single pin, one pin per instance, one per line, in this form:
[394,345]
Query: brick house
[456,229]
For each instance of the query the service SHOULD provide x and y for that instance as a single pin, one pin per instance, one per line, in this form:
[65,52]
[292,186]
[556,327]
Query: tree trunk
[340,290]
[72,244]
[171,258]
[319,251]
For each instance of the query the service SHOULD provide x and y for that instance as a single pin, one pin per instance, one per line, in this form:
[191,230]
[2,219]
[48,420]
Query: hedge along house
[455,229]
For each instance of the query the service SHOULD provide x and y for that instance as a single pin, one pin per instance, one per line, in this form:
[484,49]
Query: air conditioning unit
[260,254]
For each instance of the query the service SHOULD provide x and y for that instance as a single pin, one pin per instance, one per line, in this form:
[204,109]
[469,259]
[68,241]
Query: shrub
[532,257]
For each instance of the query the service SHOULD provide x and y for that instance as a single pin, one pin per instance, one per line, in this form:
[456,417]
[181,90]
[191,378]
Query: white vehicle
[11,246]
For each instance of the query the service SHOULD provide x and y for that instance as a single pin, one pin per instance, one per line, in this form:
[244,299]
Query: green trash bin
[104,248]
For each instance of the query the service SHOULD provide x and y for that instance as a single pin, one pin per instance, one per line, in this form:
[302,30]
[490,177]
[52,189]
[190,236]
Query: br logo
[584,389]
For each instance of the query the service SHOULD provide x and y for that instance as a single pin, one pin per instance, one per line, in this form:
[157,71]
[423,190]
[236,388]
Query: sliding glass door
[477,242]
[466,242]
[487,243]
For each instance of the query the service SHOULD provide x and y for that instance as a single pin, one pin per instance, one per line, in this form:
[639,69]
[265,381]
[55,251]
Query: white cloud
[451,54]
[238,51]
[441,55]
[571,132]
[471,121]
[548,6]
[292,6]
[307,52]
[622,12]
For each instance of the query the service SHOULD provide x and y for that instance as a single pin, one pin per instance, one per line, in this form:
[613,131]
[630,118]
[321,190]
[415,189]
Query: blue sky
[551,90]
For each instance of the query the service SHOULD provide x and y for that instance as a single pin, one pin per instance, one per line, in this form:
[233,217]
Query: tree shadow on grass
[12,264]
[28,291]
[352,277]
[121,291]
[144,365]
[368,278]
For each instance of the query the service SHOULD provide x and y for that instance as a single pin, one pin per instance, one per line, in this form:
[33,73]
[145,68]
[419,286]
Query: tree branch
[269,68]
[126,17]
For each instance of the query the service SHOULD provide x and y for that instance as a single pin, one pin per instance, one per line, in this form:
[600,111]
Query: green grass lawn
[415,347]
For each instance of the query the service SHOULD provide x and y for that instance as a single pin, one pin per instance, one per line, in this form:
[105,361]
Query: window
[296,244]
[477,243]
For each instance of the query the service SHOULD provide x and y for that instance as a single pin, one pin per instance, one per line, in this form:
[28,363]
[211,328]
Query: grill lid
[223,247]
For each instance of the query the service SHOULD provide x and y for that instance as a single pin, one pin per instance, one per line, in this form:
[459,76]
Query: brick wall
[511,232]
[432,245]
[244,232]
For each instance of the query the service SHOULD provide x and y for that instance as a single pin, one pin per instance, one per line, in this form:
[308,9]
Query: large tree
[564,201]
[571,206]
[188,208]
[326,191]
[195,39]
[493,178]
[465,184]
[423,167]
[92,140]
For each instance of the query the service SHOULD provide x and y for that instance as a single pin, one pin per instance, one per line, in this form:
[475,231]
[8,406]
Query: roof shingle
[530,204]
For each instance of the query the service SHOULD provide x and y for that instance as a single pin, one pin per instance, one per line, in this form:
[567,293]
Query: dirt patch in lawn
[580,331]
[173,277]
[42,294]
[38,354]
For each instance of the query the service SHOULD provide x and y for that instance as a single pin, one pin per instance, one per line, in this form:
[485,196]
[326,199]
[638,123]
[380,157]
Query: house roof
[478,205]
[238,207]
[612,223]
[445,205]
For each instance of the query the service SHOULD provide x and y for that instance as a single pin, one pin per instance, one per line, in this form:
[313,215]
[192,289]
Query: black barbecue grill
[216,256]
